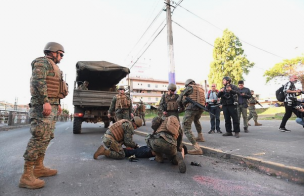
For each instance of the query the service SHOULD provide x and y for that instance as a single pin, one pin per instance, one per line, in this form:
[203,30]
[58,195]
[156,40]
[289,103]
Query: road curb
[278,170]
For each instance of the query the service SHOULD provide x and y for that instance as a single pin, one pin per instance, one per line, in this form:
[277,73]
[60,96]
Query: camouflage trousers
[124,114]
[42,130]
[252,113]
[116,150]
[241,110]
[189,117]
[160,145]
[142,116]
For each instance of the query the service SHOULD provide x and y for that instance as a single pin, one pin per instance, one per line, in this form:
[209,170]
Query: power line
[222,30]
[204,40]
[148,46]
[145,31]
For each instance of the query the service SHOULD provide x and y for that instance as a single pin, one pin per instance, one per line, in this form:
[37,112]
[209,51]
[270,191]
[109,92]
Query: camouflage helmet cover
[54,47]
[137,121]
[172,87]
[188,82]
[156,121]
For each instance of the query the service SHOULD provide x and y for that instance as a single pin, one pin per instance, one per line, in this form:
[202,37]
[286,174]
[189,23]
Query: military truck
[92,105]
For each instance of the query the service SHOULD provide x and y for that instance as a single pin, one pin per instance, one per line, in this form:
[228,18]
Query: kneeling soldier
[119,133]
[167,140]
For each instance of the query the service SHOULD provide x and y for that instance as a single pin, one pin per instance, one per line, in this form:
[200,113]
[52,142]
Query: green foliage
[229,60]
[65,111]
[286,68]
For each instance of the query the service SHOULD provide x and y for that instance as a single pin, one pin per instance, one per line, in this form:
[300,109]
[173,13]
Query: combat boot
[101,151]
[159,157]
[246,129]
[256,123]
[178,159]
[196,151]
[200,138]
[40,170]
[28,180]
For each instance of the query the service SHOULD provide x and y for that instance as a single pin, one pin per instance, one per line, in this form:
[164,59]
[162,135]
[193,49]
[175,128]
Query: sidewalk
[264,148]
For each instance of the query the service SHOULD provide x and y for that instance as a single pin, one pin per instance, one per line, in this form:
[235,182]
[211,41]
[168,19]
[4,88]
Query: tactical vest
[56,87]
[117,131]
[173,130]
[252,100]
[171,102]
[198,94]
[122,102]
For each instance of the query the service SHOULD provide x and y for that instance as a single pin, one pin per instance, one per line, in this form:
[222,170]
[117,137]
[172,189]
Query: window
[148,85]
[148,91]
[149,98]
[156,86]
[156,99]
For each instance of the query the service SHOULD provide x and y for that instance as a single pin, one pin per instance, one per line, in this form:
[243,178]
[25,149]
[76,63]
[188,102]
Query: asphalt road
[79,174]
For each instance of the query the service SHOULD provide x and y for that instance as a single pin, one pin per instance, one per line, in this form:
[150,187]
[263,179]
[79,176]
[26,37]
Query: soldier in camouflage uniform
[136,111]
[84,86]
[122,105]
[47,88]
[119,133]
[252,113]
[167,139]
[168,103]
[141,111]
[192,113]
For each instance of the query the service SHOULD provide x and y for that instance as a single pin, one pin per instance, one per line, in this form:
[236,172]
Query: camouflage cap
[156,121]
[54,47]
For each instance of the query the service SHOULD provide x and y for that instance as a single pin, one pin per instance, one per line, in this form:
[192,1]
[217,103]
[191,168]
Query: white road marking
[50,144]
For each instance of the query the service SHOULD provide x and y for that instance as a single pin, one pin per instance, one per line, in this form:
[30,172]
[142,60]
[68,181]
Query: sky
[119,31]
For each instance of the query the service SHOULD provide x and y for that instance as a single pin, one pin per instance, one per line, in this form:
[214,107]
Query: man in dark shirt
[244,95]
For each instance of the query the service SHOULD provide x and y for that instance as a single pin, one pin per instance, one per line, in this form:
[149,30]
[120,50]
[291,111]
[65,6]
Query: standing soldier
[243,96]
[141,111]
[192,114]
[47,88]
[136,111]
[168,103]
[119,133]
[122,105]
[252,113]
[167,139]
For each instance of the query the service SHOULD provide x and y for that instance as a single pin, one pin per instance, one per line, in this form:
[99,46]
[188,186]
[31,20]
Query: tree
[286,68]
[229,60]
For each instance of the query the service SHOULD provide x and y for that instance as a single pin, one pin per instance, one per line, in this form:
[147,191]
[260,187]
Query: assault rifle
[257,102]
[198,105]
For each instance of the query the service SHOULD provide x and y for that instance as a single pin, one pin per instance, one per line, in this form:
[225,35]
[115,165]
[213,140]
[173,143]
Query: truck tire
[77,125]
[106,124]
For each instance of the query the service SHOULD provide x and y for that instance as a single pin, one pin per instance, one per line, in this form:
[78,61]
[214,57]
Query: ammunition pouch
[114,144]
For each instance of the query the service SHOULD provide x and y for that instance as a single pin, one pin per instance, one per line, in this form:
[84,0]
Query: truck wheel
[77,125]
[106,124]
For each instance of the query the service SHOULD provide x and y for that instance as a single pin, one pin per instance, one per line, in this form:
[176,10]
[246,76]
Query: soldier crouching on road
[122,105]
[119,133]
[167,139]
[47,88]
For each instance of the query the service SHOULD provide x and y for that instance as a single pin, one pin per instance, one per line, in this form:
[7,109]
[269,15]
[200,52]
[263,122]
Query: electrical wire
[222,30]
[148,46]
[145,32]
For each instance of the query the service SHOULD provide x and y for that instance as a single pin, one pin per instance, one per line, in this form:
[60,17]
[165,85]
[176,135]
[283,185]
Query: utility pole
[170,45]
[15,105]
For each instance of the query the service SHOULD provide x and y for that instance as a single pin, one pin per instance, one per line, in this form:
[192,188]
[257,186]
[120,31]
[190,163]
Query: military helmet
[137,121]
[188,82]
[54,47]
[156,121]
[172,87]
[121,88]
[227,78]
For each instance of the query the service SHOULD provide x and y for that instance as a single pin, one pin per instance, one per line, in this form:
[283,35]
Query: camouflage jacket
[40,70]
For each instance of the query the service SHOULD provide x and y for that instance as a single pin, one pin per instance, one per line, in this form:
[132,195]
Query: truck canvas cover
[101,75]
